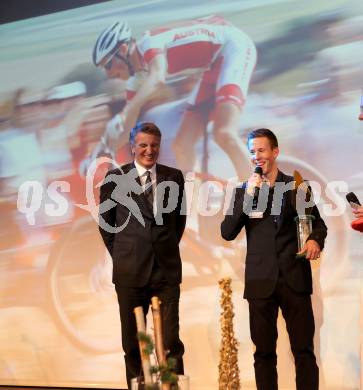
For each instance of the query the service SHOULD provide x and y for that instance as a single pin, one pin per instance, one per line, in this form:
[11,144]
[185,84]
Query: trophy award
[304,226]
[304,221]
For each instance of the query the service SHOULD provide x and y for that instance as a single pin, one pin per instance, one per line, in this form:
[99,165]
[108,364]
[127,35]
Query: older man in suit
[145,248]
[275,277]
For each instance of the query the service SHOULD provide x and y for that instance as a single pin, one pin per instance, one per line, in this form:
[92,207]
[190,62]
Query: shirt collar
[141,170]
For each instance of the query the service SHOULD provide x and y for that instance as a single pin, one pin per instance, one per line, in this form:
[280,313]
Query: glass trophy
[304,226]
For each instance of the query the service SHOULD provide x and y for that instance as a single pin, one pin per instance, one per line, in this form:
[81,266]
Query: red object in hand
[357,224]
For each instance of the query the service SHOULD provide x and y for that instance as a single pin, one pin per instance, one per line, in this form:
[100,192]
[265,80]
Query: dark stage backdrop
[59,322]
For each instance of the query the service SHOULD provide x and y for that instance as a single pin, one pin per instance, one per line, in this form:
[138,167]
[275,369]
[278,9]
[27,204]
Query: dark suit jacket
[135,248]
[272,245]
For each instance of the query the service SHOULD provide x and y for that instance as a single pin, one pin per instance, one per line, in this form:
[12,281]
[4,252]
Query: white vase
[183,383]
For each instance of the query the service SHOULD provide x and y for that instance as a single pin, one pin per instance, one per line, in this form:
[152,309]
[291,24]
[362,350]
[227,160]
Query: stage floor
[3,387]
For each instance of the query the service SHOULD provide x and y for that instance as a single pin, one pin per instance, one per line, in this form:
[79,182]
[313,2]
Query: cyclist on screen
[220,54]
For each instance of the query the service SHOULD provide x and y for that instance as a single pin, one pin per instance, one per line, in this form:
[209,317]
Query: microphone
[353,200]
[258,171]
[357,224]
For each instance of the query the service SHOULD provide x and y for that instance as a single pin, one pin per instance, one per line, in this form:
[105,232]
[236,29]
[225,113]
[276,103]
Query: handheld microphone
[353,200]
[258,171]
[357,224]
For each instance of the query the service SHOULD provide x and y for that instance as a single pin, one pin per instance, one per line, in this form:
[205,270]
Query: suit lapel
[160,174]
[285,201]
[160,177]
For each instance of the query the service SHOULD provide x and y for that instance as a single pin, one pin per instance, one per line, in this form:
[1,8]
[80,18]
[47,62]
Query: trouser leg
[169,297]
[298,313]
[263,328]
[128,299]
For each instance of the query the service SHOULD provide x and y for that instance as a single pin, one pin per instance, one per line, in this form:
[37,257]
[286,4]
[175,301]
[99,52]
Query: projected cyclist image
[73,85]
[221,58]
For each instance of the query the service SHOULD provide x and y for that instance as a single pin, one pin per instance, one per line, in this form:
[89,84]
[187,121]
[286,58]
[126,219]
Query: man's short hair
[264,133]
[145,127]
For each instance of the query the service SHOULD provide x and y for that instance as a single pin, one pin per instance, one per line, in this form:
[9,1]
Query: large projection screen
[59,323]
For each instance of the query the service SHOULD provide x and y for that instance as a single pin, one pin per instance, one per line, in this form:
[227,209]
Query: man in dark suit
[145,251]
[275,277]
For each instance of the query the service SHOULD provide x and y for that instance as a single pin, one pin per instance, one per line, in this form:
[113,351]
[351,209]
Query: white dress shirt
[141,171]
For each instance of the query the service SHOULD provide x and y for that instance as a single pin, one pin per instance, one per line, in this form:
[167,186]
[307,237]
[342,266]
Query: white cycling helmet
[109,40]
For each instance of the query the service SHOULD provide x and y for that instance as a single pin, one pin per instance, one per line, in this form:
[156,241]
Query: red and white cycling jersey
[223,55]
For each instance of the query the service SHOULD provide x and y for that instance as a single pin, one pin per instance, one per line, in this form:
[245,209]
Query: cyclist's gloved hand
[115,127]
[100,150]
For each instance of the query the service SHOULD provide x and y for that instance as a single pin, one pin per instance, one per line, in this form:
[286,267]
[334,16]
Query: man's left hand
[311,250]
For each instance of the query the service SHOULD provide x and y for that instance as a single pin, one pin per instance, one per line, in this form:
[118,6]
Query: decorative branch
[158,337]
[144,345]
[228,364]
[162,375]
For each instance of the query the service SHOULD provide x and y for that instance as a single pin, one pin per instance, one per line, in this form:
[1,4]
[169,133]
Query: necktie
[148,188]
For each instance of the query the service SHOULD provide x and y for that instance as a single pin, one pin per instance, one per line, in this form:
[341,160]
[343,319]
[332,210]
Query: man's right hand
[255,180]
[358,212]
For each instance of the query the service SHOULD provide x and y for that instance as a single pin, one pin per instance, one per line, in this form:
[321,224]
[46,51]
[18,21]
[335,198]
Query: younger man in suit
[274,277]
[145,253]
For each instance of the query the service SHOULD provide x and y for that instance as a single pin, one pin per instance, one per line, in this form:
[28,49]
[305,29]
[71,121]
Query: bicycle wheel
[82,297]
